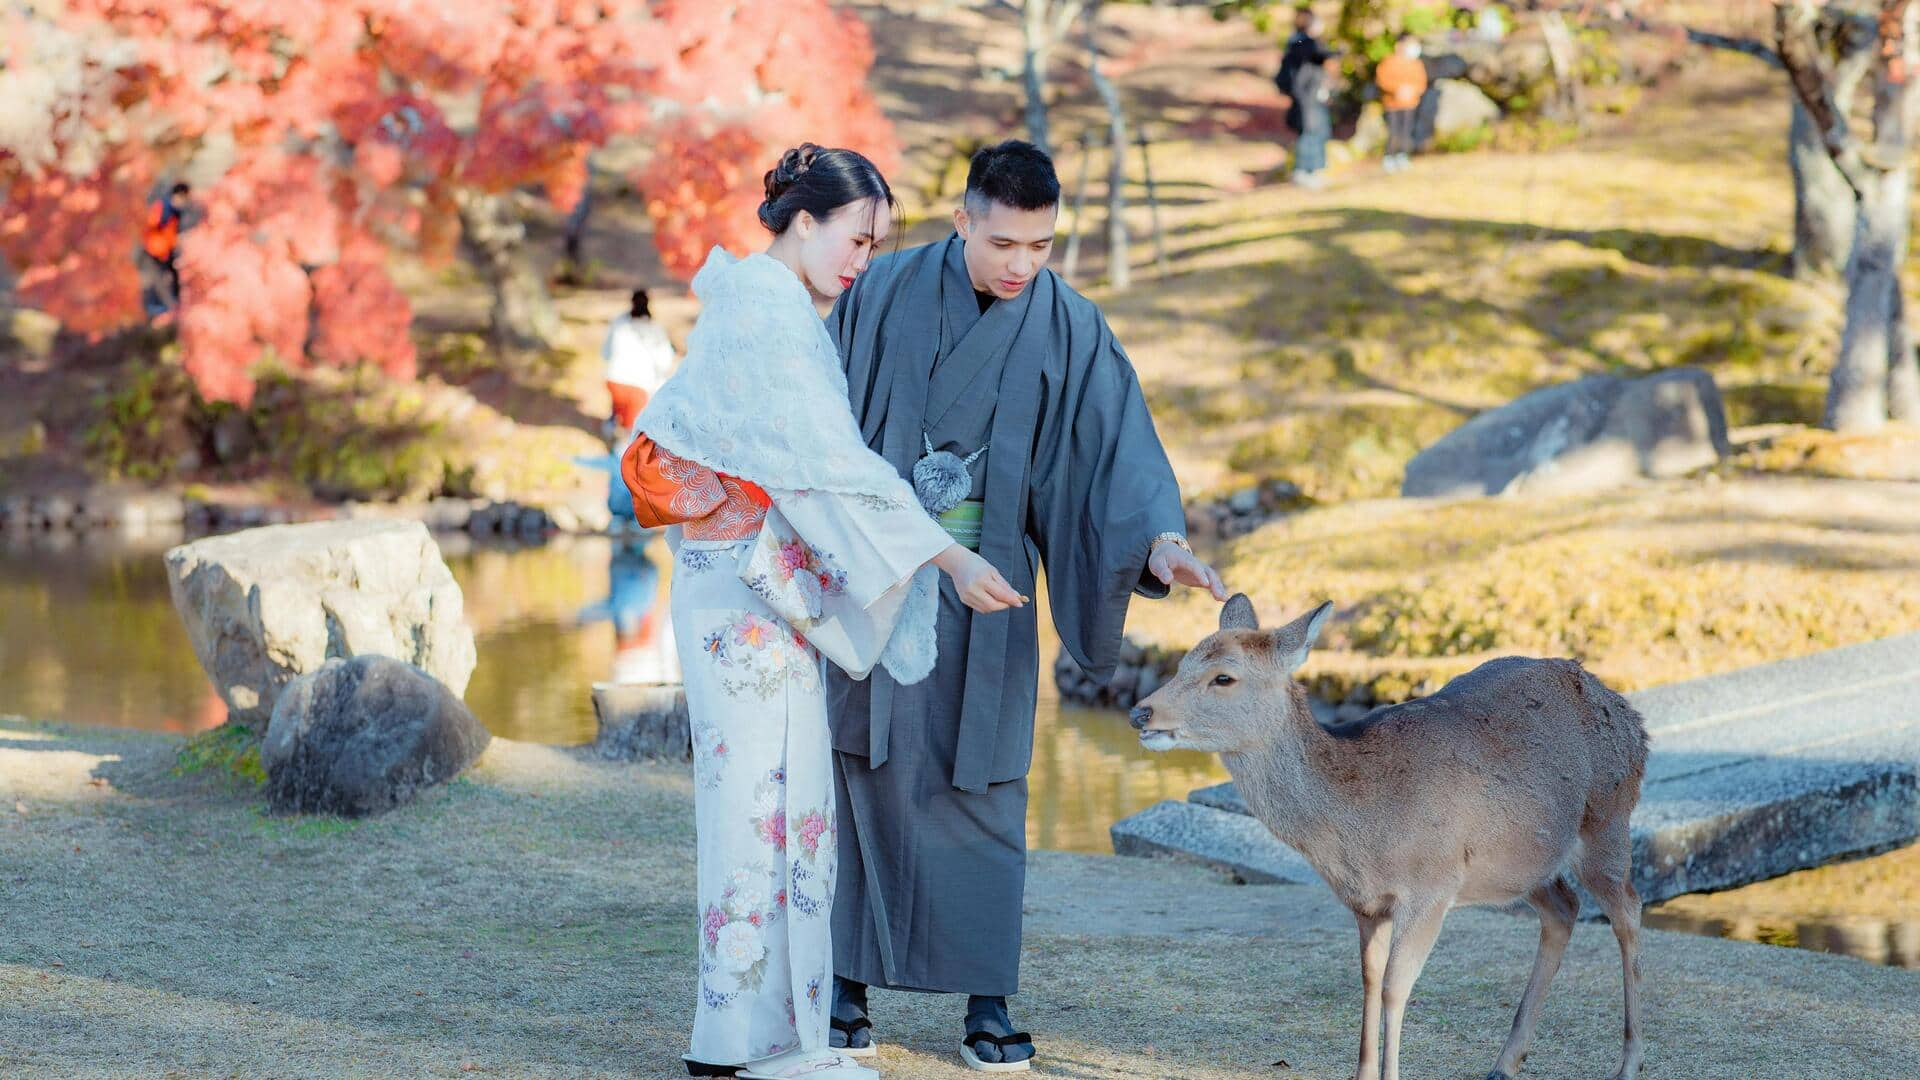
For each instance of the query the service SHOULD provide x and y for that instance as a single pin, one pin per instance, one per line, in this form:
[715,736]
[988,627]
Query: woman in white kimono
[794,541]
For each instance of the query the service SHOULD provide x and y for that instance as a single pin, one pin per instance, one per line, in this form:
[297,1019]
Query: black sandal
[1002,1041]
[701,1068]
[847,1028]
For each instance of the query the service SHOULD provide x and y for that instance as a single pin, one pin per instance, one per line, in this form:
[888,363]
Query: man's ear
[961,222]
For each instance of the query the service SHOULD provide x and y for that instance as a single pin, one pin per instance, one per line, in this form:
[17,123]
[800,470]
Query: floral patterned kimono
[759,568]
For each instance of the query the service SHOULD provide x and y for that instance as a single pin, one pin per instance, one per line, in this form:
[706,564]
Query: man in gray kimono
[1002,392]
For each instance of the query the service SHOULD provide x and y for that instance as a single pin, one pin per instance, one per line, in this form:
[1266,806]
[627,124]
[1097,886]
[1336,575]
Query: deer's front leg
[1376,934]
[1416,925]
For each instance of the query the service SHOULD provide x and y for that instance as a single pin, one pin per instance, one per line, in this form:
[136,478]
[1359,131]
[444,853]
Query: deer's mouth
[1160,738]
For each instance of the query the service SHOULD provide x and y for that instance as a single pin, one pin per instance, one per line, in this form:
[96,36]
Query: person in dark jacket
[1304,79]
[159,244]
[1446,66]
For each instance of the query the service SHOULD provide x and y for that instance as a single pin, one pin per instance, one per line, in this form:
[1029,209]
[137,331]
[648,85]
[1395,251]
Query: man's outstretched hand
[1172,564]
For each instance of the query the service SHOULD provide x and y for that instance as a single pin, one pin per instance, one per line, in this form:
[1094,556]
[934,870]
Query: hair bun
[793,165]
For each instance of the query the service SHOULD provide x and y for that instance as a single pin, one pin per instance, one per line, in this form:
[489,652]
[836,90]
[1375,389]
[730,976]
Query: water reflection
[643,649]
[1866,908]
[548,622]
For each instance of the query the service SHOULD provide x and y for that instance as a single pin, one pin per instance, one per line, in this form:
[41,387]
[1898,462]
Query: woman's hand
[980,586]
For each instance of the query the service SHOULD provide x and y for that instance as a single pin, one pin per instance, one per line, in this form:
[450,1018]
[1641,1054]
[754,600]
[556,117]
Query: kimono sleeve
[1102,490]
[861,546]
[849,574]
[668,490]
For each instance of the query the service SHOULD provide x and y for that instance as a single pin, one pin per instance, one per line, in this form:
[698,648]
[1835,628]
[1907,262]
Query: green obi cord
[963,523]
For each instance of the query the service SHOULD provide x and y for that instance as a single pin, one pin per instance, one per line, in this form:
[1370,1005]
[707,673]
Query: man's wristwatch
[1169,538]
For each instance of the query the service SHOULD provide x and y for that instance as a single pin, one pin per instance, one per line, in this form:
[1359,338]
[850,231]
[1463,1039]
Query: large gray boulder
[365,735]
[1463,107]
[267,605]
[1588,435]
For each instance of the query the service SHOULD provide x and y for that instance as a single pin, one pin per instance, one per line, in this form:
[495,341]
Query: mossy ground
[1646,585]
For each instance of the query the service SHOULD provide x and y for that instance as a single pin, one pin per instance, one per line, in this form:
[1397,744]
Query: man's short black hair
[1013,173]
[182,188]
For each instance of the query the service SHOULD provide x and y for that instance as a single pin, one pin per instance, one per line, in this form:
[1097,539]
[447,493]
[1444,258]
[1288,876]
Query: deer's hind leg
[1606,869]
[1558,908]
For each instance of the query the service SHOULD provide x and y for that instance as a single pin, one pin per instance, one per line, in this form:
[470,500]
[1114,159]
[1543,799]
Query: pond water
[88,635]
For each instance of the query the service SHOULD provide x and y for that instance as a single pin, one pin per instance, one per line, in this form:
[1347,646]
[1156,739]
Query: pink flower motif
[710,926]
[812,828]
[780,898]
[754,918]
[794,557]
[753,632]
[773,830]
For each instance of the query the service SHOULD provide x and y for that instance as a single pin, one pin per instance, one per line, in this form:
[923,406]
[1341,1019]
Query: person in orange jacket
[1402,79]
[159,242]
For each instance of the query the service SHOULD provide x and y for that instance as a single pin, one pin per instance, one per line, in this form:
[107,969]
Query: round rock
[362,736]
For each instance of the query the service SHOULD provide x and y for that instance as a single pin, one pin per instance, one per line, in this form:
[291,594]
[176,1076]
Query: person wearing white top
[639,358]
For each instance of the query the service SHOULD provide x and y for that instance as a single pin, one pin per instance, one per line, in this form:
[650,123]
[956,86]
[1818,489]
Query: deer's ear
[1238,614]
[1294,641]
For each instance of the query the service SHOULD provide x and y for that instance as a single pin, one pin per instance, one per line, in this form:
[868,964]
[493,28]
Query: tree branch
[1796,26]
[1835,22]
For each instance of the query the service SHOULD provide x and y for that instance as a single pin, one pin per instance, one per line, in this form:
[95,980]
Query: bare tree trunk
[1903,376]
[1823,203]
[1894,100]
[1153,204]
[1070,266]
[573,240]
[1119,272]
[1874,376]
[493,236]
[1857,394]
[1570,100]
[1034,47]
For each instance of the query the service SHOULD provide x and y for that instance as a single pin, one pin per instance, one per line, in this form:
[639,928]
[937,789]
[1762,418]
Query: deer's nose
[1139,716]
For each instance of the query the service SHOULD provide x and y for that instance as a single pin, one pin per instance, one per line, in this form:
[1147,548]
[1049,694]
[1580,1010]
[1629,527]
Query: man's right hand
[978,584]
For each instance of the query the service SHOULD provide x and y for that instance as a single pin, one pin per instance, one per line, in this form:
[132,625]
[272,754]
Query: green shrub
[1347,453]
[230,750]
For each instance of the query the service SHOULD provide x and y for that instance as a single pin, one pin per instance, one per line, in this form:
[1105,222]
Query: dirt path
[532,920]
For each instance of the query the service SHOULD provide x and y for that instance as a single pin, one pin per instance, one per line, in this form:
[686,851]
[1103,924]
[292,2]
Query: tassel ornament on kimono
[941,479]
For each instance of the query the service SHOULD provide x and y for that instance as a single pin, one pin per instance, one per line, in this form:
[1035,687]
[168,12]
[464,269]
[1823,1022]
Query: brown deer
[1501,786]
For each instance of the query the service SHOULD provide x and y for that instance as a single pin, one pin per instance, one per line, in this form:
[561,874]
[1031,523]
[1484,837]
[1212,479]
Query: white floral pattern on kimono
[763,792]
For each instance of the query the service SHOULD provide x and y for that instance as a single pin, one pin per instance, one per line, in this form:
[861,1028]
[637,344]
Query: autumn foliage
[346,130]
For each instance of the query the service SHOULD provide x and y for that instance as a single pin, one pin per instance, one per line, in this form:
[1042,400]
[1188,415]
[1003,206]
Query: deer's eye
[1224,679]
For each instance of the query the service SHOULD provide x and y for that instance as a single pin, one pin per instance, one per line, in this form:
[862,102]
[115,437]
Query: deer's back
[1535,731]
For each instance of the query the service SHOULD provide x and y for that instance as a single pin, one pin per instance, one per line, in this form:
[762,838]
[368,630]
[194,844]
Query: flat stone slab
[642,722]
[1753,774]
[1234,843]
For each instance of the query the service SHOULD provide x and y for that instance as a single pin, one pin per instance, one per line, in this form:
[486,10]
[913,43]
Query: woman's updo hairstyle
[819,180]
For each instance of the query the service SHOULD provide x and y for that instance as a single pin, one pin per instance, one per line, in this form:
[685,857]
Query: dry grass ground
[535,919]
[1647,585]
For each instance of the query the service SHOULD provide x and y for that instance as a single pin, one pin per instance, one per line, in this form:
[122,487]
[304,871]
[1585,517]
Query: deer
[1506,785]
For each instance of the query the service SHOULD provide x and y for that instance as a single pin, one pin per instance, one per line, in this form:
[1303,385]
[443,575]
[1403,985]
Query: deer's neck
[1293,782]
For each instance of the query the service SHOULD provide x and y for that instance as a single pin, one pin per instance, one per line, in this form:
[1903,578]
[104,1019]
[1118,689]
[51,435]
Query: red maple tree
[351,129]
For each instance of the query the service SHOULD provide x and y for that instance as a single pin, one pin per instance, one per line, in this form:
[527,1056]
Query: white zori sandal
[973,1060]
[807,1065]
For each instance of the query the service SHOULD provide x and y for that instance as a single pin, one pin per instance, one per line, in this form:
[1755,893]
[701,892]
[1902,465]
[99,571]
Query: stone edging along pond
[138,512]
